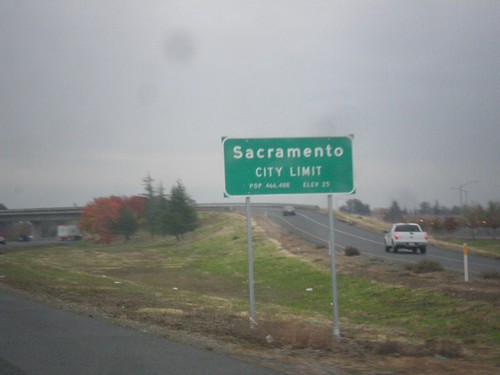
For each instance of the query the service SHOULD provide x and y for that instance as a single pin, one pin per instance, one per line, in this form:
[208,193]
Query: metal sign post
[333,267]
[250,262]
[308,165]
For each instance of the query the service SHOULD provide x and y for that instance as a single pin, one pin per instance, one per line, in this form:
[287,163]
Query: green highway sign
[263,166]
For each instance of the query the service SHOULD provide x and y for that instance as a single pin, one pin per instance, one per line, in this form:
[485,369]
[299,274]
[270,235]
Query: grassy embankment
[200,285]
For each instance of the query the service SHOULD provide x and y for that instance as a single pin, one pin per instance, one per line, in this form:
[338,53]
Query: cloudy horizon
[95,96]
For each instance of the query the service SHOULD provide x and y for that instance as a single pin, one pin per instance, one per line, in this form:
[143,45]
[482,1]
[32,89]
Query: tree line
[154,211]
[435,216]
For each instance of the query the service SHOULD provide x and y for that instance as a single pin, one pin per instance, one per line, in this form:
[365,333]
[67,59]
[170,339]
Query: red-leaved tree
[105,217]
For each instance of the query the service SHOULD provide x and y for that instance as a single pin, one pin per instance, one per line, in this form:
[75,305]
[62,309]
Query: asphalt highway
[312,225]
[38,340]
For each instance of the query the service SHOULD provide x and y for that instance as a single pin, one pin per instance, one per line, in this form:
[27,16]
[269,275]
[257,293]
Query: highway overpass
[38,216]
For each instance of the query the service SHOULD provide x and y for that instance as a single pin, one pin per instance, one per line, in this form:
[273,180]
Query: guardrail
[232,206]
[25,212]
[40,211]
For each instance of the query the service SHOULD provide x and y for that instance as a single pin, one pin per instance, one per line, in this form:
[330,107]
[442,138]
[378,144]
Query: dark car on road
[3,241]
[288,211]
[24,238]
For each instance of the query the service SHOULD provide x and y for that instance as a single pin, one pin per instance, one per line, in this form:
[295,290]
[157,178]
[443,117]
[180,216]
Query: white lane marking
[365,239]
[299,229]
[341,231]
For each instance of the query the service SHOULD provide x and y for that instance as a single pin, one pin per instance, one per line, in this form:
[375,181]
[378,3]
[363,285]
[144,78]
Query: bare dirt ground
[351,355]
[355,356]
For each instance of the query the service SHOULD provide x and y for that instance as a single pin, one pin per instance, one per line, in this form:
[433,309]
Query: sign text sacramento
[288,165]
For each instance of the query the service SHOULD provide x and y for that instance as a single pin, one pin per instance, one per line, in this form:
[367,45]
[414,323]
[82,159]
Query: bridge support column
[37,229]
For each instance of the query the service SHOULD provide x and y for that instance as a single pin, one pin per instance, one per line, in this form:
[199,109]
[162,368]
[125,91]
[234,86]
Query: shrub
[351,251]
[491,275]
[445,348]
[295,334]
[388,348]
[425,266]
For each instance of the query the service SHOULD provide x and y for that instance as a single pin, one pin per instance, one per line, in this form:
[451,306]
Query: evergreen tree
[127,223]
[151,213]
[162,211]
[450,224]
[493,216]
[394,214]
[148,186]
[182,216]
[355,206]
[436,210]
[425,208]
[174,214]
[475,216]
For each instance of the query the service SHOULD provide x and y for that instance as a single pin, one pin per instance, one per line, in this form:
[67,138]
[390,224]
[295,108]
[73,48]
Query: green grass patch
[491,247]
[425,266]
[208,271]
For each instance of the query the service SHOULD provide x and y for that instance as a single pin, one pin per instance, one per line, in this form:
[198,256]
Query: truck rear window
[407,228]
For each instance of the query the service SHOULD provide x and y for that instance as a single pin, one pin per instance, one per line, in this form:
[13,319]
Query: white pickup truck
[406,236]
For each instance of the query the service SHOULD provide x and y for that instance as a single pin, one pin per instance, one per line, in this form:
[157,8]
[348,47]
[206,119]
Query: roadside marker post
[466,262]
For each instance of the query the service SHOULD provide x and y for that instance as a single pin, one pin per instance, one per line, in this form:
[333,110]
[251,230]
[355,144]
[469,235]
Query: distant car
[3,241]
[288,211]
[25,238]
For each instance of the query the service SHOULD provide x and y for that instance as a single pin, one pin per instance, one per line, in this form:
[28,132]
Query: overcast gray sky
[94,95]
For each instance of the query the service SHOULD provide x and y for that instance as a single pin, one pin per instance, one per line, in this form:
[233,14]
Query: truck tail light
[396,236]
[426,236]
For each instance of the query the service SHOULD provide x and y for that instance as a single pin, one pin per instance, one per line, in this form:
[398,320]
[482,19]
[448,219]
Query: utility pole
[461,190]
